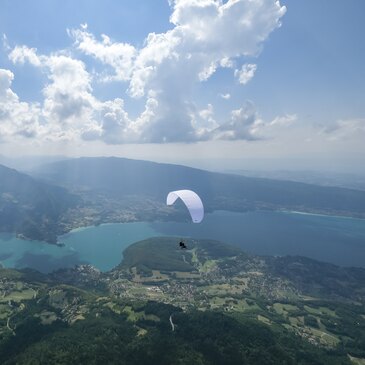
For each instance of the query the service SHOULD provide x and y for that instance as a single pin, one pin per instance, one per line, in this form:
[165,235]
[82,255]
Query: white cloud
[22,54]
[206,35]
[241,126]
[70,111]
[68,104]
[225,96]
[115,125]
[207,72]
[246,73]
[205,122]
[207,113]
[68,94]
[343,129]
[5,42]
[226,63]
[120,56]
[6,79]
[16,118]
[284,120]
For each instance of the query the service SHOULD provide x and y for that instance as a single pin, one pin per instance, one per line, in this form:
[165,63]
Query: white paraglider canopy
[192,202]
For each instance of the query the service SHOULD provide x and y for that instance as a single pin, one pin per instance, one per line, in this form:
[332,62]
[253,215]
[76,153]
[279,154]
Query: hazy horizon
[157,81]
[223,165]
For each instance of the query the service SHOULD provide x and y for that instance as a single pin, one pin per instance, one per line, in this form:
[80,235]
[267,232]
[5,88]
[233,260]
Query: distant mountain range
[87,191]
[28,163]
[325,178]
[31,208]
[120,177]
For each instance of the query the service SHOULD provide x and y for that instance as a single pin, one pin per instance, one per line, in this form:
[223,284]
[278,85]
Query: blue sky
[203,89]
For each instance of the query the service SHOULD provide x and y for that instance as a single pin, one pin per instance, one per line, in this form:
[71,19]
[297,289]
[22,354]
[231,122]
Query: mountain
[28,163]
[117,179]
[31,208]
[211,304]
[216,261]
[323,178]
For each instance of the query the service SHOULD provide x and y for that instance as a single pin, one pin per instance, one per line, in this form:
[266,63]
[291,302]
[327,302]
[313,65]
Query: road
[8,325]
[172,323]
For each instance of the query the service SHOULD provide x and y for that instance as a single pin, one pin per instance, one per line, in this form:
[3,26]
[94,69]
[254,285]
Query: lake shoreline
[81,228]
[60,243]
[268,233]
[319,214]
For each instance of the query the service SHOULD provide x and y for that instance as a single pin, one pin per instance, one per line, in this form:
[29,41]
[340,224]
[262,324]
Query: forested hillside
[120,177]
[32,208]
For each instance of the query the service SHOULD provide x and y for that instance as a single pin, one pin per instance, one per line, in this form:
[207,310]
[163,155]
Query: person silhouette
[182,245]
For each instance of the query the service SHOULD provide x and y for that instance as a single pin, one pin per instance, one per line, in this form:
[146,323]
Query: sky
[255,84]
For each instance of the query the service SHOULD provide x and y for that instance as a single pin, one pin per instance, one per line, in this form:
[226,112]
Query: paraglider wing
[192,202]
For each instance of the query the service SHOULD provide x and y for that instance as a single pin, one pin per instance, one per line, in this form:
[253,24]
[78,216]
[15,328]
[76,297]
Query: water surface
[332,239]
[339,240]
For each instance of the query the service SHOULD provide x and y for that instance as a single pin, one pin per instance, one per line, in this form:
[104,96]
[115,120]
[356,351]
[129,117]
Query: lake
[332,239]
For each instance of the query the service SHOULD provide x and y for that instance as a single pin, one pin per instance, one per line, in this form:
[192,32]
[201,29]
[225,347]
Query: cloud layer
[206,35]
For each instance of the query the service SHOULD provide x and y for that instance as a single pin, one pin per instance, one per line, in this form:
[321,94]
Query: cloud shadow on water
[47,263]
[5,256]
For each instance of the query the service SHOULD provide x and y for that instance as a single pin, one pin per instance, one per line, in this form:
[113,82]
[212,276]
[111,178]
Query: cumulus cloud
[205,122]
[22,54]
[68,95]
[6,78]
[206,35]
[120,56]
[16,118]
[68,102]
[69,110]
[246,73]
[243,125]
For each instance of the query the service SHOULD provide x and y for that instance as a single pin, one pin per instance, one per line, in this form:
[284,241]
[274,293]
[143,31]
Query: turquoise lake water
[332,239]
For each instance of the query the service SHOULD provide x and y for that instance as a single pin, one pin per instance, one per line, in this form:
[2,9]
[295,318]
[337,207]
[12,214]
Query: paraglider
[182,245]
[192,202]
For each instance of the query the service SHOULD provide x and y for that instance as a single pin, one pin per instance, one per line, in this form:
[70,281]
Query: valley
[81,192]
[156,280]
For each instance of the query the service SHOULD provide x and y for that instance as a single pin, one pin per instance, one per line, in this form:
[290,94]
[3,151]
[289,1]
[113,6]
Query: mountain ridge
[31,208]
[118,177]
[89,191]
